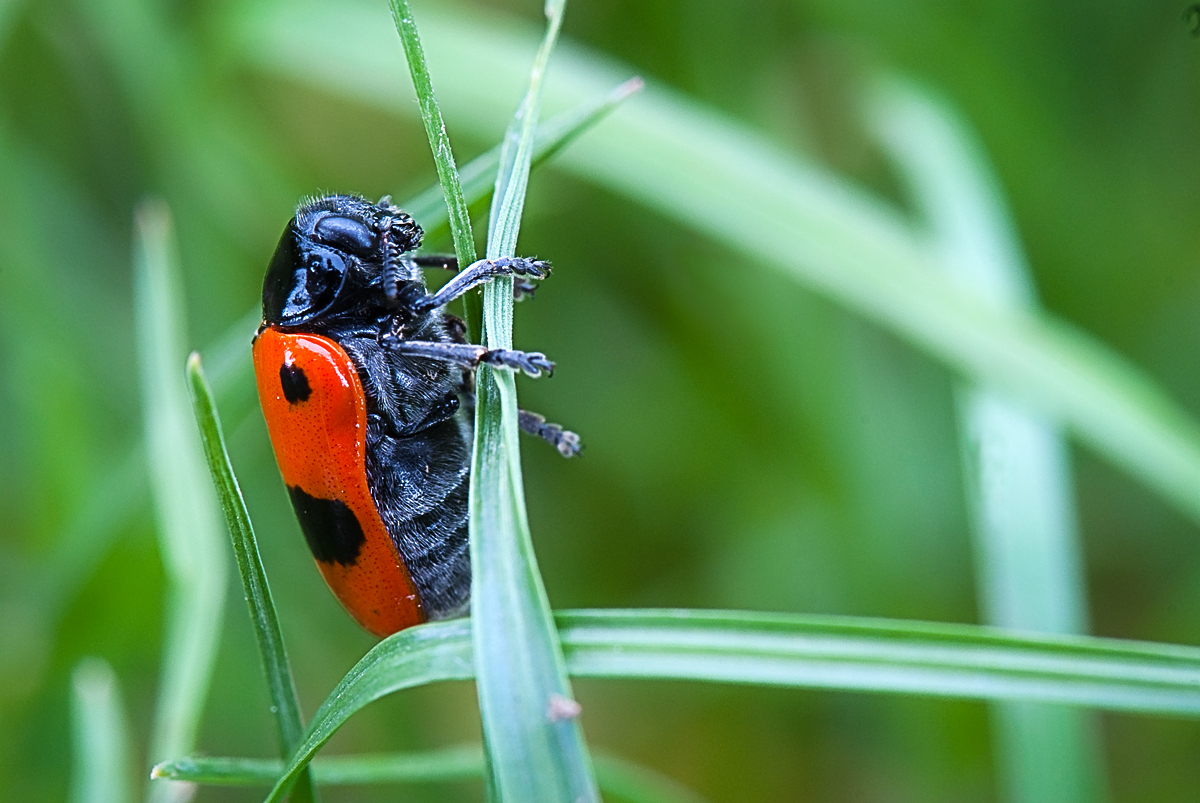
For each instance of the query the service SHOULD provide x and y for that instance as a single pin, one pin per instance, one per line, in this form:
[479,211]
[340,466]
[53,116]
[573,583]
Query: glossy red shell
[320,445]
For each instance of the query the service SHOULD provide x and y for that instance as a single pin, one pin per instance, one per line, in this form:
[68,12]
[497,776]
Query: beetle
[361,374]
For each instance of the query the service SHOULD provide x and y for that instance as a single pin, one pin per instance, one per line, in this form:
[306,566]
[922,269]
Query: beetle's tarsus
[566,442]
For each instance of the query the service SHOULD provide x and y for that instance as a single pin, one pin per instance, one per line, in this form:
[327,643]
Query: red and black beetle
[360,374]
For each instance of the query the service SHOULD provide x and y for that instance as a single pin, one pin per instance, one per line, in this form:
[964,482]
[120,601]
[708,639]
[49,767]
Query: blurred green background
[749,444]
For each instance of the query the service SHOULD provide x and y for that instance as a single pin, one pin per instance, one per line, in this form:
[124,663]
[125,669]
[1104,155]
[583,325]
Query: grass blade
[276,667]
[185,509]
[825,652]
[439,143]
[447,764]
[1027,547]
[101,768]
[617,777]
[695,166]
[534,754]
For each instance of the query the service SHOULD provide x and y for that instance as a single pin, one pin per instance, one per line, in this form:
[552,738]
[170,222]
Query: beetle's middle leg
[468,355]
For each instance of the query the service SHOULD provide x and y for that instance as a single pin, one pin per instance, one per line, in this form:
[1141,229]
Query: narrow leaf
[278,672]
[827,652]
[439,143]
[447,764]
[101,737]
[617,777]
[1016,465]
[534,753]
[185,508]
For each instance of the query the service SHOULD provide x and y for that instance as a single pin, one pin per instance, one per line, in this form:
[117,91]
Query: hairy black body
[344,270]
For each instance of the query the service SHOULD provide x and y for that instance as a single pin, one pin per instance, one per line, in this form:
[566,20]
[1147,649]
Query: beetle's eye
[347,234]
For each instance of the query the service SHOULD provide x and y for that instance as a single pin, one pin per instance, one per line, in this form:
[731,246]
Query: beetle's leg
[476,274]
[522,288]
[566,442]
[456,327]
[469,355]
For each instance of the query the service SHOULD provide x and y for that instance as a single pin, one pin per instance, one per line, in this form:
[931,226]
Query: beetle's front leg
[522,288]
[478,273]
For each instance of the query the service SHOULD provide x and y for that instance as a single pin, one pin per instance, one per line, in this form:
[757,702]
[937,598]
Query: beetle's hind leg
[566,442]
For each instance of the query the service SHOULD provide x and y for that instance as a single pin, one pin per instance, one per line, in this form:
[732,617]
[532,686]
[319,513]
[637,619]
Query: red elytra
[316,414]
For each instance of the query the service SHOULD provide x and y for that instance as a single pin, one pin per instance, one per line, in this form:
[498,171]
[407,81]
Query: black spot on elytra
[295,383]
[331,529]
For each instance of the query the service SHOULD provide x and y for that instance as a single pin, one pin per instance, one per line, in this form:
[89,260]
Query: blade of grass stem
[443,155]
[101,736]
[185,508]
[696,166]
[617,777]
[534,753]
[1016,467]
[826,652]
[275,665]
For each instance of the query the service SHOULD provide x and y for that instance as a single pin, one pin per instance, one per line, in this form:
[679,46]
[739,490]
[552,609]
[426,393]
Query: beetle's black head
[330,255]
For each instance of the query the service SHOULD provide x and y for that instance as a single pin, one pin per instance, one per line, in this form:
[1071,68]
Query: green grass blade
[276,667]
[826,652]
[1030,573]
[881,655]
[695,166]
[185,509]
[101,736]
[447,764]
[533,753]
[435,129]
[619,778]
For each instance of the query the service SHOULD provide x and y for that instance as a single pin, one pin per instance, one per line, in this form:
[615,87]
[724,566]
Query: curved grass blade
[617,777]
[826,652]
[101,737]
[414,657]
[276,668]
[185,508]
[1016,464]
[695,166]
[534,752]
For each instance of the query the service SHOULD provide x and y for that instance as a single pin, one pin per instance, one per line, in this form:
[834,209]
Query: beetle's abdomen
[420,484]
[316,414]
